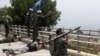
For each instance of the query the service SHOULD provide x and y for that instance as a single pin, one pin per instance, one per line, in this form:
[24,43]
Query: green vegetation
[21,7]
[17,13]
[6,19]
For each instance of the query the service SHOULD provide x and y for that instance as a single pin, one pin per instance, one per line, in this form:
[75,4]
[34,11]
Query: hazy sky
[85,13]
[4,3]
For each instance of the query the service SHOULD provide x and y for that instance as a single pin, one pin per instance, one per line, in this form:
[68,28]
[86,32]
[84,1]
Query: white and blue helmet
[39,11]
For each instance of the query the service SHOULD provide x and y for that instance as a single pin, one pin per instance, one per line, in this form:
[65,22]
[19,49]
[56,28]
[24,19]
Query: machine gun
[63,34]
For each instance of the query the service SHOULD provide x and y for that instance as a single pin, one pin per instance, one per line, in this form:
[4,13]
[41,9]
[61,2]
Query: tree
[19,11]
[5,19]
[21,7]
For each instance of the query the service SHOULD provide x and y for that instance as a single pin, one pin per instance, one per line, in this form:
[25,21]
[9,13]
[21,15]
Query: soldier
[59,45]
[34,46]
[36,24]
[38,21]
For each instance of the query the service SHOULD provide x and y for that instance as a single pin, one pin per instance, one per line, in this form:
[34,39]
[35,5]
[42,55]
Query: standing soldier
[38,21]
[36,24]
[59,46]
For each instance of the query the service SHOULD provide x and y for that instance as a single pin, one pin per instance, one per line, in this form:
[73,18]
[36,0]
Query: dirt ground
[19,45]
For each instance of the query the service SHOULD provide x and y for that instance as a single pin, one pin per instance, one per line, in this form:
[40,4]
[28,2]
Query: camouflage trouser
[58,48]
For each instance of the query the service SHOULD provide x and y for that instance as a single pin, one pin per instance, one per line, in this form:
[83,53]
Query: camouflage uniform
[58,47]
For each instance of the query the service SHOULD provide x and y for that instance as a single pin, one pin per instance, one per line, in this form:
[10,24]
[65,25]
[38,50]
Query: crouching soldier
[34,46]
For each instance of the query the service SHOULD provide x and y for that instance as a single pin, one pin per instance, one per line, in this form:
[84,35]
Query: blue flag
[38,3]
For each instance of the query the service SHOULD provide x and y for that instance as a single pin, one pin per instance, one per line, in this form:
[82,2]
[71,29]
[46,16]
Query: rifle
[63,34]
